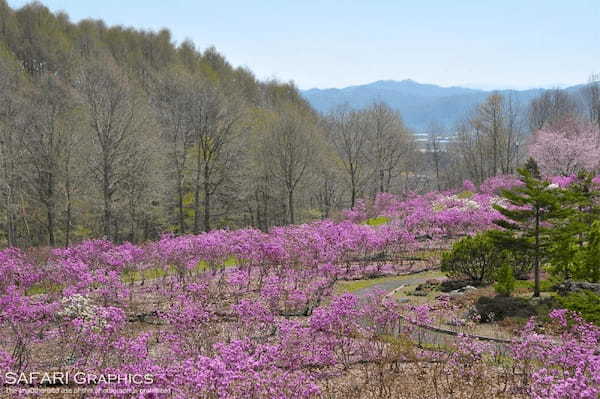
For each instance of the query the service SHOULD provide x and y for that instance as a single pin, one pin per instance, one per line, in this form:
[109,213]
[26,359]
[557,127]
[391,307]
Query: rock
[572,286]
[456,322]
[470,314]
[500,307]
[468,288]
[403,300]
[452,285]
[535,301]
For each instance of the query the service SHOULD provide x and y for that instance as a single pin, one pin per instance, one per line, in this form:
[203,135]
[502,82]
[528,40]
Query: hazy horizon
[474,86]
[327,44]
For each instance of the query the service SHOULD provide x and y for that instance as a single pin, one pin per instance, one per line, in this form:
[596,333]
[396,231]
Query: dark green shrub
[475,258]
[499,307]
[585,302]
[522,261]
[588,264]
[505,280]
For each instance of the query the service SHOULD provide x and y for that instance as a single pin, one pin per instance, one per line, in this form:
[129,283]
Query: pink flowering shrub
[494,185]
[567,367]
[566,148]
[563,181]
[469,186]
[245,313]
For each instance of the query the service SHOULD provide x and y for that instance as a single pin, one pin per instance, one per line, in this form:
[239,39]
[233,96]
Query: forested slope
[122,133]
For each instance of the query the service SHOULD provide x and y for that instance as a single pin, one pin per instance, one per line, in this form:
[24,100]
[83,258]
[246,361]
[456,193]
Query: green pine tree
[588,259]
[534,209]
[574,234]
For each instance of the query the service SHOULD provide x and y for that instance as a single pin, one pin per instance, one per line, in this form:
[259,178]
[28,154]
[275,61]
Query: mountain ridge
[421,104]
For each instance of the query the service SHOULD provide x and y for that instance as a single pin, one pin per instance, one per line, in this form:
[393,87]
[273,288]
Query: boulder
[571,286]
[452,285]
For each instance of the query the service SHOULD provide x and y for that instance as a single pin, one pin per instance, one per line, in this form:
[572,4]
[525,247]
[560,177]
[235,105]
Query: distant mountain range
[420,104]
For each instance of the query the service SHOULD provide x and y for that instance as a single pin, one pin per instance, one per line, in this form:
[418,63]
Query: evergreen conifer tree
[528,219]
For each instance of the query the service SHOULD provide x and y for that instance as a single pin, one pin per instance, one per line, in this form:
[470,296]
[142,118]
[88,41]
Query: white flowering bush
[78,307]
[454,201]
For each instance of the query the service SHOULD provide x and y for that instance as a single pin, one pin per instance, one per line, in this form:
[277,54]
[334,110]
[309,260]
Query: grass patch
[377,221]
[131,276]
[44,287]
[465,194]
[527,285]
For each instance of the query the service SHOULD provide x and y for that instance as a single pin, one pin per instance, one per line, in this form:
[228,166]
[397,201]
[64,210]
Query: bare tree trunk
[207,194]
[107,214]
[536,287]
[69,214]
[50,216]
[291,206]
[197,193]
[353,191]
[11,220]
[180,206]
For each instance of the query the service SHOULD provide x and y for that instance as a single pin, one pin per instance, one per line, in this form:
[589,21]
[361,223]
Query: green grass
[377,221]
[131,276]
[465,195]
[43,288]
[545,285]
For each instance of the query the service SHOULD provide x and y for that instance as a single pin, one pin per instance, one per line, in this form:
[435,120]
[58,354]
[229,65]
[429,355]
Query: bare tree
[47,139]
[291,148]
[10,150]
[213,121]
[349,139]
[591,95]
[550,107]
[514,126]
[387,144]
[116,120]
[435,150]
[489,141]
[173,100]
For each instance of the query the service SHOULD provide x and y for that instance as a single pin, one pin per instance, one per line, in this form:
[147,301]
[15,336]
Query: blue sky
[337,43]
